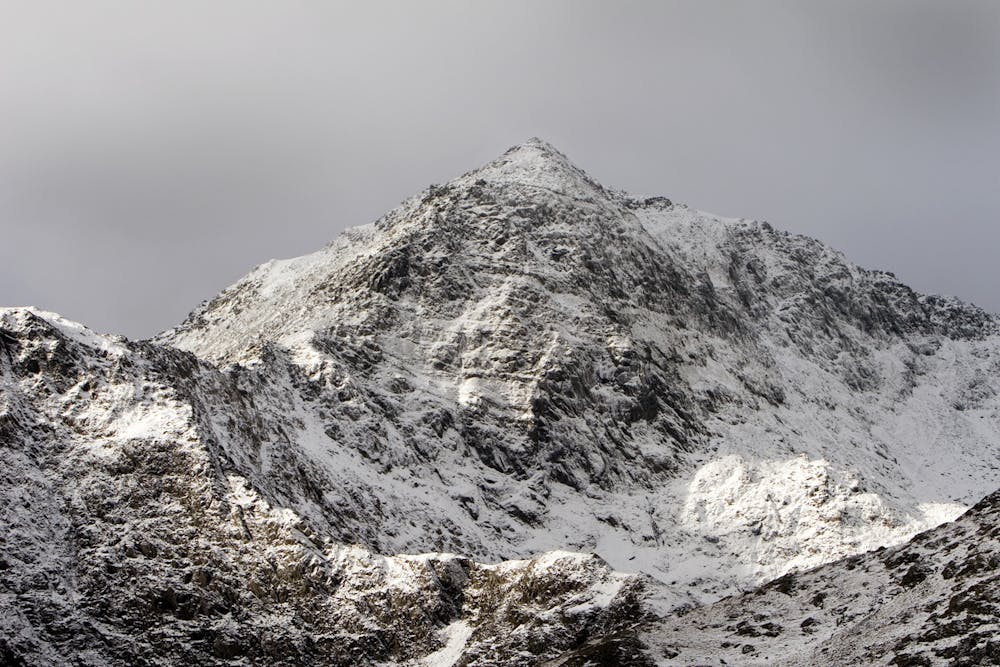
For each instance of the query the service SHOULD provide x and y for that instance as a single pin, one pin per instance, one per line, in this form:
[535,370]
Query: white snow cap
[540,164]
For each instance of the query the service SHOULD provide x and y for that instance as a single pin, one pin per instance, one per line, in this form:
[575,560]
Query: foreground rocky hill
[931,601]
[520,367]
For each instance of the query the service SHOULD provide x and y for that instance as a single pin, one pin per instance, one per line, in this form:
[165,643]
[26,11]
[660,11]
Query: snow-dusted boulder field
[585,409]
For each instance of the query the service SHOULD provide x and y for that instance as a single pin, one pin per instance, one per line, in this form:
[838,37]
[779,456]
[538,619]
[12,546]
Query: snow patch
[455,636]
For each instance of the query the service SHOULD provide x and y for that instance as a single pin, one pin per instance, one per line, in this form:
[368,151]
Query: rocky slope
[132,538]
[519,362]
[931,601]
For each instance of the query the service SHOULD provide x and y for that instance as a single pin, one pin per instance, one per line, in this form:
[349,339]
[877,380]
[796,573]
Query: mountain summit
[537,163]
[519,365]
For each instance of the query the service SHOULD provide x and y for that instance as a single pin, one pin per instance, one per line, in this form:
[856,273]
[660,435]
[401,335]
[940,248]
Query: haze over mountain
[520,367]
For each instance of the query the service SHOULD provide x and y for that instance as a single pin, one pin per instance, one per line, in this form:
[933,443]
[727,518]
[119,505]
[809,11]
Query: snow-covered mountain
[514,366]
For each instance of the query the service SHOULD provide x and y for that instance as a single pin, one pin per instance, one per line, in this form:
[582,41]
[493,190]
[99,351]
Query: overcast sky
[152,153]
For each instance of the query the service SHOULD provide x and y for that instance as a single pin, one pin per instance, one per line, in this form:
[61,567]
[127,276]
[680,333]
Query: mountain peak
[536,146]
[537,163]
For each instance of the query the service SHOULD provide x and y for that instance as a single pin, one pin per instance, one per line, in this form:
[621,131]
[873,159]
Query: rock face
[513,366]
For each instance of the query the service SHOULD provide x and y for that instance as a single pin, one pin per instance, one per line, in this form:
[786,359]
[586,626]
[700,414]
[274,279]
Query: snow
[535,164]
[455,637]
[800,513]
[72,330]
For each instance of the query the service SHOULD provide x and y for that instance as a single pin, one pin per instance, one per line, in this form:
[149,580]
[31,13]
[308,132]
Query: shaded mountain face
[511,367]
